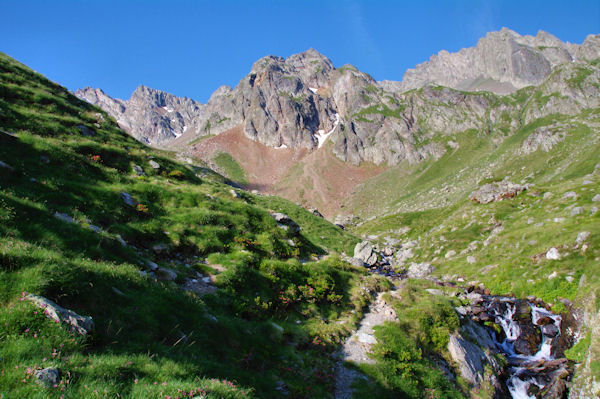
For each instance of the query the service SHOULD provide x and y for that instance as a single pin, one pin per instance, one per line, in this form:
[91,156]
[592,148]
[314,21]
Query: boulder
[81,324]
[48,377]
[469,358]
[357,262]
[364,251]
[285,222]
[420,270]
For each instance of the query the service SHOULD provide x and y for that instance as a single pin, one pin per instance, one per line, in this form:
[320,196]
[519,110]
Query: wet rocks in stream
[531,338]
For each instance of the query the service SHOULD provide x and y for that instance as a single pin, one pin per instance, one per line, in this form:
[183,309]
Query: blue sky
[190,48]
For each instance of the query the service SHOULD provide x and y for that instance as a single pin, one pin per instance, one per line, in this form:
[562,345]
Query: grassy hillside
[67,233]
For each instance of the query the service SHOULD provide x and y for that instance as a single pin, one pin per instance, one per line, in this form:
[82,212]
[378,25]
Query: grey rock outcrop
[81,324]
[518,61]
[364,251]
[496,192]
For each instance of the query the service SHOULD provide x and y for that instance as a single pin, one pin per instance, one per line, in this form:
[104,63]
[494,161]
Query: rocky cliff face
[151,116]
[501,62]
[303,101]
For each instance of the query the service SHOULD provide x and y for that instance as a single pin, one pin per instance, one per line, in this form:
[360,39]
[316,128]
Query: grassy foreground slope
[67,233]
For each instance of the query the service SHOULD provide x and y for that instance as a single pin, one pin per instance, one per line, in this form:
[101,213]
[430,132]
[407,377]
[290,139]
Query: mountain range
[294,107]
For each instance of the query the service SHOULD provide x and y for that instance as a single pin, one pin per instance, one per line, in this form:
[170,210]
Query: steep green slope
[68,234]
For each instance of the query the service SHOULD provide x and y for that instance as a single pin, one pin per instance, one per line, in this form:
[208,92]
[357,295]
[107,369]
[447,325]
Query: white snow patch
[167,109]
[322,136]
[313,89]
[175,133]
[282,146]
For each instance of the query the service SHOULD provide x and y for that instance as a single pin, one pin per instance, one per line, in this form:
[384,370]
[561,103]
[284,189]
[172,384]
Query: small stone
[547,195]
[48,377]
[450,254]
[151,265]
[86,131]
[121,240]
[570,195]
[582,236]
[553,254]
[160,248]
[559,220]
[552,275]
[366,338]
[532,242]
[128,199]
[64,217]
[154,164]
[530,221]
[593,211]
[587,182]
[138,170]
[596,198]
[577,211]
[569,279]
[165,274]
[471,260]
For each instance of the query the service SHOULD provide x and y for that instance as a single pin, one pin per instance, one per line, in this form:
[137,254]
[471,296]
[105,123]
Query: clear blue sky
[190,48]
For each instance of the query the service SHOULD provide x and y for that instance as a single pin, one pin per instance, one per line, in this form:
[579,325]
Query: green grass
[231,167]
[153,339]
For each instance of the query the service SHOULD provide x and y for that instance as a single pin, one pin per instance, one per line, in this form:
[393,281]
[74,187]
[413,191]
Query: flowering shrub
[96,158]
[141,208]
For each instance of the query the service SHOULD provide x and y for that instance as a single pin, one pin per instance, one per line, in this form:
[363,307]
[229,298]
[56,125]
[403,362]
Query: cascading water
[527,374]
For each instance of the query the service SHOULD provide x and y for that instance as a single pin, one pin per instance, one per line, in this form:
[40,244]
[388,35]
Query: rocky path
[359,344]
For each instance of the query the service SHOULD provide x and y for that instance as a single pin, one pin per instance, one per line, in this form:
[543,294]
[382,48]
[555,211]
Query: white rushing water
[521,380]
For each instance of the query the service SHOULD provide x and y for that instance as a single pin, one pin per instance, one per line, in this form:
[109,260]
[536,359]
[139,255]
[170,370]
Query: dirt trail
[358,345]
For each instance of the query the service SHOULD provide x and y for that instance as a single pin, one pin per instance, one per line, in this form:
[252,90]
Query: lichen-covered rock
[81,324]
